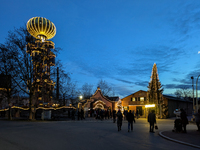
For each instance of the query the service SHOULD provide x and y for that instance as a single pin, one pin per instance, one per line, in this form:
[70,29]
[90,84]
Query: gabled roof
[99,90]
[135,93]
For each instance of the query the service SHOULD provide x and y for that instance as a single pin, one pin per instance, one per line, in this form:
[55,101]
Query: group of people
[181,121]
[131,118]
[100,113]
[80,114]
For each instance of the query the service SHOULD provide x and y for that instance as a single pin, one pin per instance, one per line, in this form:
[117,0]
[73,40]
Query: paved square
[89,134]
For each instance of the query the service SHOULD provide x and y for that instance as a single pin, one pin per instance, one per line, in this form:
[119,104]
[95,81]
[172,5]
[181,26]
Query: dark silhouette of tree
[87,90]
[154,93]
[16,42]
[105,88]
[184,93]
[7,75]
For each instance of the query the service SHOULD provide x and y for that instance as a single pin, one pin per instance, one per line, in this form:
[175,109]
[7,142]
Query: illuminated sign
[152,105]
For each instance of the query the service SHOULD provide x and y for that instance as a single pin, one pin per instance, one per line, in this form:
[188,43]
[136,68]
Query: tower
[43,58]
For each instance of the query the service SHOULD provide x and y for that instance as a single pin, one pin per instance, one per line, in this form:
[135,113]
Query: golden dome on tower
[40,27]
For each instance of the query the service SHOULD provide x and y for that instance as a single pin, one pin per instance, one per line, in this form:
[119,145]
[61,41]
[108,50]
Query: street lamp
[193,92]
[196,95]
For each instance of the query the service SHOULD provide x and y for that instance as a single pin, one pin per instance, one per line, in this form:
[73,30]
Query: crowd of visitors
[130,117]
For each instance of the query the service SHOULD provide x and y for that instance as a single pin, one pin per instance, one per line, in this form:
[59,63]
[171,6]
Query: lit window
[133,98]
[141,98]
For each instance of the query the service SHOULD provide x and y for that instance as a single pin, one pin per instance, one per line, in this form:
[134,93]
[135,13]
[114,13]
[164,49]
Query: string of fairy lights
[50,108]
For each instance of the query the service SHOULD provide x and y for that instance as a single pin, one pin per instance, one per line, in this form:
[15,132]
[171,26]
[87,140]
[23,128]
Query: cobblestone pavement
[88,134]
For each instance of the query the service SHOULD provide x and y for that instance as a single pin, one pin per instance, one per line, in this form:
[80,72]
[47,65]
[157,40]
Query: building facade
[99,101]
[138,101]
[135,102]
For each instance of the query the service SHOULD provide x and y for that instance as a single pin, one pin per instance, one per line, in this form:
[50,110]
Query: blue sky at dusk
[117,40]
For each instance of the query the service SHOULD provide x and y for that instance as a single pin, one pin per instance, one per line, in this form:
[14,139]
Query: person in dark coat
[114,116]
[152,120]
[119,120]
[125,114]
[130,118]
[184,120]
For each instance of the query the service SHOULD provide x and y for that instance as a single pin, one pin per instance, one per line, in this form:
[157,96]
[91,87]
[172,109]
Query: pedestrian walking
[130,118]
[125,113]
[114,116]
[197,119]
[152,120]
[184,120]
[119,120]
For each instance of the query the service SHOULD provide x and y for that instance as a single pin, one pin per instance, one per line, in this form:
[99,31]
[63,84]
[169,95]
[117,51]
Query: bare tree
[7,75]
[183,92]
[178,93]
[87,90]
[105,88]
[16,42]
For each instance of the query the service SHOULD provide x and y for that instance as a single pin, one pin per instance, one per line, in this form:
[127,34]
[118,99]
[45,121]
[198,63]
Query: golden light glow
[40,27]
[148,106]
[38,108]
[99,106]
[4,89]
[99,101]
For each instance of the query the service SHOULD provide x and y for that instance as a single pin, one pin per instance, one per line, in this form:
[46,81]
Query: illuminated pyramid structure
[42,57]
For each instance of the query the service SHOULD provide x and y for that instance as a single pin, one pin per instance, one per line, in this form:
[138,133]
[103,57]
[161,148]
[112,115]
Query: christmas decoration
[154,93]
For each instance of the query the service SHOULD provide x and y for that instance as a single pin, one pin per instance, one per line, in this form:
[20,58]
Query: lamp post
[193,92]
[196,96]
